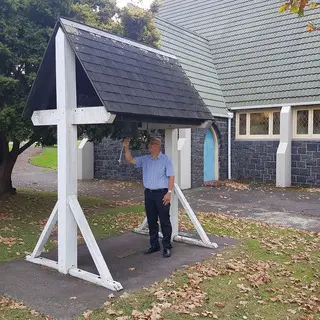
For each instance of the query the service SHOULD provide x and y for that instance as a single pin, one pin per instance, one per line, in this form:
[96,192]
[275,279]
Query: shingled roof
[194,54]
[261,57]
[132,81]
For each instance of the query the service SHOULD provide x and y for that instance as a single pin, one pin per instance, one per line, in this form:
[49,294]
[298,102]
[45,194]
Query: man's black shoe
[152,250]
[166,253]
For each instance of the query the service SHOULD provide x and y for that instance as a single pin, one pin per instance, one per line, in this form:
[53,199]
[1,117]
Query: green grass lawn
[47,158]
[273,273]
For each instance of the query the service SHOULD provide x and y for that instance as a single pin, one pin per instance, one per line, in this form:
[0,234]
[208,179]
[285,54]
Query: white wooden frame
[310,135]
[67,211]
[248,136]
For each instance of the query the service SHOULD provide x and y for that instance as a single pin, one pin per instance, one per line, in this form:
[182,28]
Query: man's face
[154,146]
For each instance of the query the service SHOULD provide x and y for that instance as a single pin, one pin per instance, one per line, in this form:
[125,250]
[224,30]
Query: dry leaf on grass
[11,241]
[111,312]
[258,279]
[219,304]
[87,314]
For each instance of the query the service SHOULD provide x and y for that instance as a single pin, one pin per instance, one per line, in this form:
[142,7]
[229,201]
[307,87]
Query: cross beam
[90,115]
[67,211]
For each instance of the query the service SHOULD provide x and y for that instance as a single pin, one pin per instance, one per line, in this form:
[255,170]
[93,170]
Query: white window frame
[310,135]
[248,136]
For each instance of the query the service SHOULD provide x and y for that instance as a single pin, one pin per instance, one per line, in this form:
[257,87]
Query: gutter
[230,117]
[278,105]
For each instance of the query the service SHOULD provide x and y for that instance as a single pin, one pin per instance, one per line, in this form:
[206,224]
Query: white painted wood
[43,262]
[91,115]
[46,232]
[142,226]
[89,239]
[67,209]
[283,166]
[85,160]
[67,151]
[171,150]
[183,239]
[184,156]
[193,217]
[45,117]
[195,242]
[230,117]
[87,276]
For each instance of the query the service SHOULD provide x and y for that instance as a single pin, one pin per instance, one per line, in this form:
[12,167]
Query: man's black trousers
[155,209]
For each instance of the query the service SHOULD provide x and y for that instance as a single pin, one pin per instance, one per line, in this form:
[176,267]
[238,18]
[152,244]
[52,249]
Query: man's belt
[157,190]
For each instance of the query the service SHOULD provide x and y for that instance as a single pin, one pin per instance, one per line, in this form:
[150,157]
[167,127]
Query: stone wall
[305,163]
[106,164]
[254,160]
[220,126]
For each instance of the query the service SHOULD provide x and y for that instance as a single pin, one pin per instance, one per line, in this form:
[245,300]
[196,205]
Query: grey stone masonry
[220,126]
[254,160]
[305,163]
[106,164]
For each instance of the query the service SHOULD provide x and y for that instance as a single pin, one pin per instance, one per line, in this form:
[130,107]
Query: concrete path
[287,207]
[64,297]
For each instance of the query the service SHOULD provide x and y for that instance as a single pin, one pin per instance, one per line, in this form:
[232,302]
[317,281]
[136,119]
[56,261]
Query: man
[158,180]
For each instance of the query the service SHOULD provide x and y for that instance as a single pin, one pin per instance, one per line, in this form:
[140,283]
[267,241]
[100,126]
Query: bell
[127,129]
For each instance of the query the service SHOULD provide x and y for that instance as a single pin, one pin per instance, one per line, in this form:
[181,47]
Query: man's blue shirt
[155,172]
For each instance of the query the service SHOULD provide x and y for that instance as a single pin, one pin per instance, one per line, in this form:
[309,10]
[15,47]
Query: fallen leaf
[87,314]
[111,295]
[219,304]
[111,312]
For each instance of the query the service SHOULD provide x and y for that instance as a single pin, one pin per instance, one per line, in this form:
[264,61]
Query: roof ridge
[182,28]
[104,33]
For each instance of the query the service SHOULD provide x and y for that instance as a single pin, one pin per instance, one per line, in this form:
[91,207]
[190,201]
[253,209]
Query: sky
[141,3]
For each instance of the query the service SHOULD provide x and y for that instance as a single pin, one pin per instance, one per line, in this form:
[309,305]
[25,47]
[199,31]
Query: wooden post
[171,150]
[67,152]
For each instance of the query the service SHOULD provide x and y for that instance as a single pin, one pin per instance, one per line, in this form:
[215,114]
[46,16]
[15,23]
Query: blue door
[209,157]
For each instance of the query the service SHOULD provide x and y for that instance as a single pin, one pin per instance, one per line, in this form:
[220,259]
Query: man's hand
[166,199]
[126,142]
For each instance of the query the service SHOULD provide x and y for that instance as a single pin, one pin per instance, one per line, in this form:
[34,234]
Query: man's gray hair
[157,138]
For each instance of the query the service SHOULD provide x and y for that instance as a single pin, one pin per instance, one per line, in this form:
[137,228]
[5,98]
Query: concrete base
[52,293]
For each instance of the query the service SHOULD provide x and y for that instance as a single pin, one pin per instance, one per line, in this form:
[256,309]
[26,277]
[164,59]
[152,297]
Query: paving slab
[52,293]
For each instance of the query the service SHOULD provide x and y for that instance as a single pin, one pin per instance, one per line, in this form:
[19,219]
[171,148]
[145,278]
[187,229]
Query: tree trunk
[7,162]
[6,168]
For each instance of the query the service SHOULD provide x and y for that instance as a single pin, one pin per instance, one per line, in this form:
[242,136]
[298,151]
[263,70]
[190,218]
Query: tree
[25,28]
[298,7]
